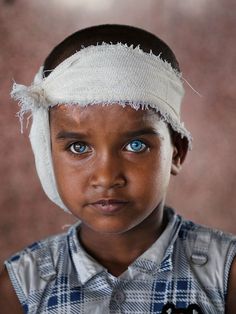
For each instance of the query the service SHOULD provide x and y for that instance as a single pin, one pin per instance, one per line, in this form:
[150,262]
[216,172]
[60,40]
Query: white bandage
[102,74]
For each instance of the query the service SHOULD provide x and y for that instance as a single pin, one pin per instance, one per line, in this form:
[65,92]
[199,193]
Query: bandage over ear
[105,74]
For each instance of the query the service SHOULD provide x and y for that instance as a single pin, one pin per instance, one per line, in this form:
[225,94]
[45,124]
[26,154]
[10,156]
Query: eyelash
[143,146]
[128,147]
[81,144]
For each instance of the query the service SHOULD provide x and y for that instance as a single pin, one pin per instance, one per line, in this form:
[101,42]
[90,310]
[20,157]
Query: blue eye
[79,148]
[136,146]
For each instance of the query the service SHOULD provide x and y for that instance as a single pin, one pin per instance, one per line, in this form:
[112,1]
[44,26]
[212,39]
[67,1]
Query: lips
[109,205]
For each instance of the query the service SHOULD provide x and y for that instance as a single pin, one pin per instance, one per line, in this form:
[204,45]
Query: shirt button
[119,297]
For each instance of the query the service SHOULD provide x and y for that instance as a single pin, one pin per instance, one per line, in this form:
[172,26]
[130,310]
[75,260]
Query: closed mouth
[109,205]
[105,202]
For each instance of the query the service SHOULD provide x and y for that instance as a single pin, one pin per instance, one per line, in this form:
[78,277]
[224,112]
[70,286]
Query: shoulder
[203,240]
[203,245]
[207,237]
[48,249]
[212,249]
[50,246]
[30,269]
[9,302]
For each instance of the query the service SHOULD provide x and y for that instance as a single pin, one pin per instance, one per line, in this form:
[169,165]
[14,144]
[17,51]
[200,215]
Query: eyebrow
[145,131]
[62,135]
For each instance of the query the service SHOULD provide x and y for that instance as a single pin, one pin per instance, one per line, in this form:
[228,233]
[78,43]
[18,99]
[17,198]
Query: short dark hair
[109,33]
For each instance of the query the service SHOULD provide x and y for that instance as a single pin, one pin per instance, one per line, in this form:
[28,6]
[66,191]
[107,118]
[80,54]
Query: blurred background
[202,34]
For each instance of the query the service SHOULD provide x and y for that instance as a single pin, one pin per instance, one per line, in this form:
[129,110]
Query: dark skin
[109,165]
[9,303]
[110,169]
[117,253]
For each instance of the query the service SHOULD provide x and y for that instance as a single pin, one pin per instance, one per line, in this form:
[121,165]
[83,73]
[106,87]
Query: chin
[110,228]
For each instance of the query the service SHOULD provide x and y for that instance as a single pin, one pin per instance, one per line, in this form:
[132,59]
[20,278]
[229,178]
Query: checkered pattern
[57,276]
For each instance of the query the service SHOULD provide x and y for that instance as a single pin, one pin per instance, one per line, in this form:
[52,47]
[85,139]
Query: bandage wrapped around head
[103,74]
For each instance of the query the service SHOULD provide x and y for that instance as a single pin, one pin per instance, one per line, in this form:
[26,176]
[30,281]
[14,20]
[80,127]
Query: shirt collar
[157,258]
[87,267]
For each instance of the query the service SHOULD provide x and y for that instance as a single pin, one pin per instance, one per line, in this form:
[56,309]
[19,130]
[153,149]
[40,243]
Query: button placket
[119,297]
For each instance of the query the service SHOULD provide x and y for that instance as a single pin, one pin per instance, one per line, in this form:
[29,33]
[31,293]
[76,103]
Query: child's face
[112,164]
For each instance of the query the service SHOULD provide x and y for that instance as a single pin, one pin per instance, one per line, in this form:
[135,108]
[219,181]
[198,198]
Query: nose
[108,172]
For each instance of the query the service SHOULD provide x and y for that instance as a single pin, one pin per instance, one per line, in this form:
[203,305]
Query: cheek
[71,179]
[157,173]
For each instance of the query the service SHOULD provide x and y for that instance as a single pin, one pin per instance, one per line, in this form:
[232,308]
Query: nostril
[108,172]
[121,182]
[108,182]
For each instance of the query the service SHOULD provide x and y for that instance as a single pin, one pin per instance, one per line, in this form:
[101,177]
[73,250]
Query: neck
[117,251]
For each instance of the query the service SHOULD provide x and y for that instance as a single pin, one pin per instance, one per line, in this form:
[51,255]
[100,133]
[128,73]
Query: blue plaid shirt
[188,264]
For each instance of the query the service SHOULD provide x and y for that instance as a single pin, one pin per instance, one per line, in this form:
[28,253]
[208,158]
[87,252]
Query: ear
[179,153]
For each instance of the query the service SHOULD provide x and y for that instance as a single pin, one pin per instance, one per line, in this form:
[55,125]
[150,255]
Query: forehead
[112,116]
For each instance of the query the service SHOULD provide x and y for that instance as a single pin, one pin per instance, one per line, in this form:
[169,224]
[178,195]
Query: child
[106,135]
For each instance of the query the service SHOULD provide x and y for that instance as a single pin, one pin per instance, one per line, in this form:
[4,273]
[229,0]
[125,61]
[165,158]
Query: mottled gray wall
[202,33]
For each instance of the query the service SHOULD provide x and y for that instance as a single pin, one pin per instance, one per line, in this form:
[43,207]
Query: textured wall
[202,33]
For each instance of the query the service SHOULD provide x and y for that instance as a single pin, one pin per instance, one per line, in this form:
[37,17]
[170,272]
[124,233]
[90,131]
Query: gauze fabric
[103,74]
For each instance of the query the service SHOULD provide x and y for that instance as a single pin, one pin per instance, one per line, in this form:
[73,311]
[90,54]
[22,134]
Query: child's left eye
[136,146]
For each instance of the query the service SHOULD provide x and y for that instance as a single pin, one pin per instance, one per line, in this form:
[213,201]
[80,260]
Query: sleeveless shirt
[189,264]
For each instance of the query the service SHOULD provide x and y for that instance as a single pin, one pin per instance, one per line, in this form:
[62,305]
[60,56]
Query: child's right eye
[79,148]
